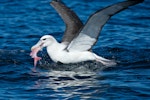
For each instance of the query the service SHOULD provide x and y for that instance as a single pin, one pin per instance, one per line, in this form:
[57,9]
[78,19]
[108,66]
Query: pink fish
[33,54]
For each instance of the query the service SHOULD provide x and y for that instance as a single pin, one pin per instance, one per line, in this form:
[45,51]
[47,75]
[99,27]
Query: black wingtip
[137,0]
[57,0]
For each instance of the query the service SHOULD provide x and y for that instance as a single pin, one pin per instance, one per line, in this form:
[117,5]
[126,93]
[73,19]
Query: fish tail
[36,59]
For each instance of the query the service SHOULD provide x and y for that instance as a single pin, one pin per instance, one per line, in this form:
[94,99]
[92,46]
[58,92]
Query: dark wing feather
[90,32]
[72,21]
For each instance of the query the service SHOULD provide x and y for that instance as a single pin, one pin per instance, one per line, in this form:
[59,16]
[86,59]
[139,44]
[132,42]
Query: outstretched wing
[90,32]
[72,21]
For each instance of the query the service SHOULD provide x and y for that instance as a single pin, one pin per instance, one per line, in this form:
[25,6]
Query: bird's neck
[54,50]
[55,46]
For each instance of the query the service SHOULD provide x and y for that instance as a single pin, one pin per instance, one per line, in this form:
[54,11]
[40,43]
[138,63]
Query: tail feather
[105,61]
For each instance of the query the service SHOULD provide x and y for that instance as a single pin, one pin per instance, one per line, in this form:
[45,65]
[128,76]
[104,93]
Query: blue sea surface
[125,38]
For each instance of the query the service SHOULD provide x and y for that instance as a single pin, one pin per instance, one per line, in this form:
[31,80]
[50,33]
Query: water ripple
[125,39]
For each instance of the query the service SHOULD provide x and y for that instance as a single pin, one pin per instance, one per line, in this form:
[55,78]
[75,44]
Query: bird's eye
[44,39]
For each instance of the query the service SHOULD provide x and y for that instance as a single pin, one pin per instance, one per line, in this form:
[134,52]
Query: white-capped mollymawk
[78,39]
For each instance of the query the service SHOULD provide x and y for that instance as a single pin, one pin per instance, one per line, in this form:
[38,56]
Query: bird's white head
[44,41]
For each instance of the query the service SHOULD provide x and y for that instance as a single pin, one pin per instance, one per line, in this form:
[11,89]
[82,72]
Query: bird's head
[44,41]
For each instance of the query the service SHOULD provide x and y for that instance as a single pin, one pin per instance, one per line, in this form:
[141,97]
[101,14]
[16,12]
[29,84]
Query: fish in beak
[34,51]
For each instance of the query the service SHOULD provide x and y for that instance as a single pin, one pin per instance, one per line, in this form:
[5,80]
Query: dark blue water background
[125,38]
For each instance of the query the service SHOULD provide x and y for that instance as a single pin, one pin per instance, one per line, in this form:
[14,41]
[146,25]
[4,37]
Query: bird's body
[78,40]
[58,53]
[70,57]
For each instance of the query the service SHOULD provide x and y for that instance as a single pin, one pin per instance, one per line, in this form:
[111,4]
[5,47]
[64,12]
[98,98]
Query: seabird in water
[78,39]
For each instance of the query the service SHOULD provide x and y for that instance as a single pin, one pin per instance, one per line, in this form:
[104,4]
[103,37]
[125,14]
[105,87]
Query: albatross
[78,39]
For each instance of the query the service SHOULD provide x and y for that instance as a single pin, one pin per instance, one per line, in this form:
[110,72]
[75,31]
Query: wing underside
[90,32]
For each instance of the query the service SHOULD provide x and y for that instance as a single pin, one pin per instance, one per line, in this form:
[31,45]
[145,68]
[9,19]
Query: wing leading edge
[72,21]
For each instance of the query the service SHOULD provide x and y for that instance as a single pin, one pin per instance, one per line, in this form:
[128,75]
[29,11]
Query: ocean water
[125,38]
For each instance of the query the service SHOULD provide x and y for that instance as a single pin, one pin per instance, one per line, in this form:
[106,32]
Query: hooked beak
[37,45]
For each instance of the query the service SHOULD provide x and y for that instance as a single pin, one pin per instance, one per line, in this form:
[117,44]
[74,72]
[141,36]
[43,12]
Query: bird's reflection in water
[78,80]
